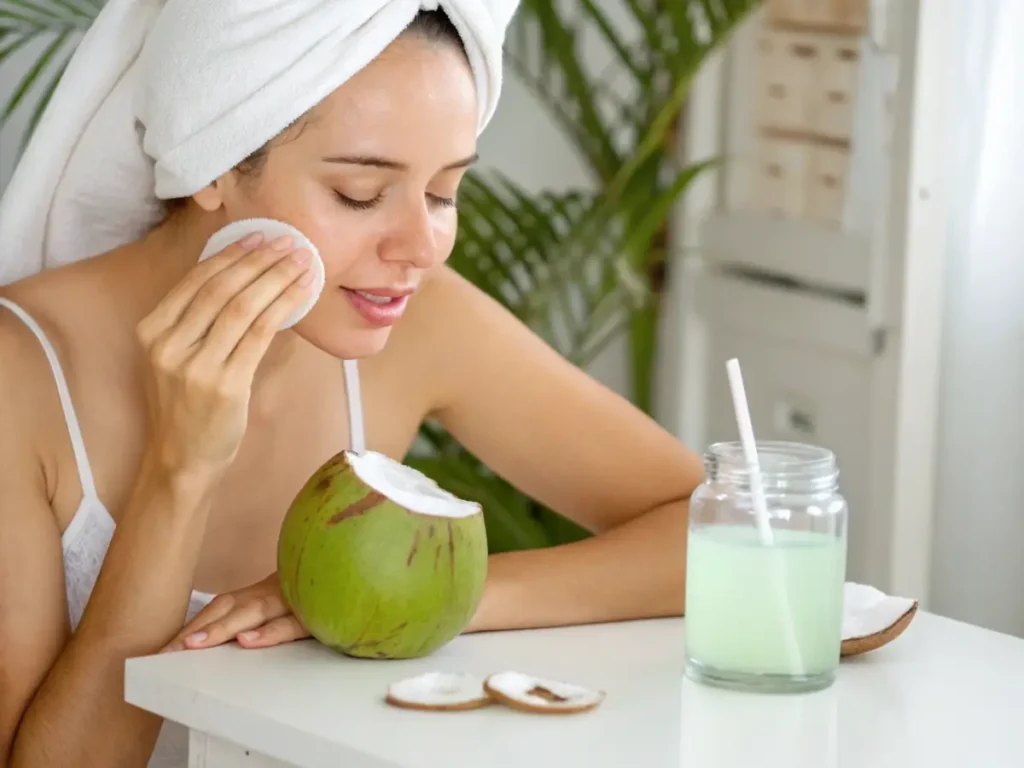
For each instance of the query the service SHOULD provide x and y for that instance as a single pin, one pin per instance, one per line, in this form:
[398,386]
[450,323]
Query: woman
[192,422]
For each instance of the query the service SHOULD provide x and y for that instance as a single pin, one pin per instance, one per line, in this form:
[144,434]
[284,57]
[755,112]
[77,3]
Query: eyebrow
[383,162]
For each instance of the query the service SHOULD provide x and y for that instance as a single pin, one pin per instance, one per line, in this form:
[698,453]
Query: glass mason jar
[764,608]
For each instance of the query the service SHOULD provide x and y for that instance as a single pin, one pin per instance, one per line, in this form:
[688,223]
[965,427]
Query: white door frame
[919,242]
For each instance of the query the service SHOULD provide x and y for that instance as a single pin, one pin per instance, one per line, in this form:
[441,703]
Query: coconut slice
[872,618]
[439,691]
[535,694]
[407,486]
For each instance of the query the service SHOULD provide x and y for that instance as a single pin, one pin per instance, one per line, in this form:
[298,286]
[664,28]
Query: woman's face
[370,176]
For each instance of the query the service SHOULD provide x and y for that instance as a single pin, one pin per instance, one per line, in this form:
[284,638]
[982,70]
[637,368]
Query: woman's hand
[256,617]
[204,341]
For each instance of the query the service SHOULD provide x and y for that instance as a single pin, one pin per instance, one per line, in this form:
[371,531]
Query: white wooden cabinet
[815,255]
[851,14]
[807,370]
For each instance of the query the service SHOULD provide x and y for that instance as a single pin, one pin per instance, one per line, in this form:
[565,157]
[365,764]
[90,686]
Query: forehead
[416,91]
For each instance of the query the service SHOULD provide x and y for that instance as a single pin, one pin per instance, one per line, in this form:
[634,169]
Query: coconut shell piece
[541,696]
[439,691]
[872,619]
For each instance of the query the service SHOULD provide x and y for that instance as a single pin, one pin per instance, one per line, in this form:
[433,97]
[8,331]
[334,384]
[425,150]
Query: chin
[344,343]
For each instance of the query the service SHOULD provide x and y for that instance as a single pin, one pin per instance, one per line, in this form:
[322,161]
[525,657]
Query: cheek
[342,245]
[338,238]
[444,233]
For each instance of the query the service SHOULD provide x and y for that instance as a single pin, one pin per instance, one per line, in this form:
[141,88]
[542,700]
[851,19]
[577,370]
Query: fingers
[245,615]
[256,617]
[227,292]
[259,309]
[174,304]
[217,608]
[249,350]
[232,299]
[283,629]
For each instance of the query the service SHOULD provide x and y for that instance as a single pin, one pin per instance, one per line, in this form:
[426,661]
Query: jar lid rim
[775,456]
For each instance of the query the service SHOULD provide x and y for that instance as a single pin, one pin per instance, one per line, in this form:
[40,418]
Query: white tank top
[88,535]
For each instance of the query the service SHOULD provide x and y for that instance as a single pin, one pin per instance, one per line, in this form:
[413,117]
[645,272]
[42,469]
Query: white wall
[978,550]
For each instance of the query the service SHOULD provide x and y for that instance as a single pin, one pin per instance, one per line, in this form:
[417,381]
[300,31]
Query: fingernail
[252,634]
[301,256]
[196,638]
[251,241]
[282,243]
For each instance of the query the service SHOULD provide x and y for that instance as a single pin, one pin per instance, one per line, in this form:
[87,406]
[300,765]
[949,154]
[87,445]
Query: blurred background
[824,189]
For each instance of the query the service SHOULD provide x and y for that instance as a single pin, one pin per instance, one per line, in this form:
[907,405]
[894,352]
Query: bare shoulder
[62,302]
[22,358]
[29,406]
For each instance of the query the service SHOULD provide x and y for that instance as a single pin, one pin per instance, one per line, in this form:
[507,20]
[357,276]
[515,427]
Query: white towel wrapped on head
[164,96]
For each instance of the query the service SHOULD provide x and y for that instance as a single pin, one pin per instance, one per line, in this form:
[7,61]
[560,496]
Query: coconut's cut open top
[408,487]
[439,691]
[872,618]
[535,694]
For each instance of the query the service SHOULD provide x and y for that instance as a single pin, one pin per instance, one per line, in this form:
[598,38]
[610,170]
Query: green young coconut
[377,561]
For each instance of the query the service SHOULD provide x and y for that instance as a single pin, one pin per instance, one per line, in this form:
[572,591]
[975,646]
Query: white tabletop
[943,694]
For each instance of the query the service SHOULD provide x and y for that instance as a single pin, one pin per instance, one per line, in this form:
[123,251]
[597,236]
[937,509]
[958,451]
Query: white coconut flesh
[439,691]
[536,694]
[408,487]
[868,611]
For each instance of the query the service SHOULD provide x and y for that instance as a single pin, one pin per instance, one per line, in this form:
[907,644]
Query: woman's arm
[63,698]
[63,702]
[61,695]
[572,444]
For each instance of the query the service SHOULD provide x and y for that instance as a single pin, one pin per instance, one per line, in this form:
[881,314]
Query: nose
[413,239]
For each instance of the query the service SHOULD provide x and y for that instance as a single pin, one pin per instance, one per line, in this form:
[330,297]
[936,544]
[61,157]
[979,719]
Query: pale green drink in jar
[763,616]
[738,620]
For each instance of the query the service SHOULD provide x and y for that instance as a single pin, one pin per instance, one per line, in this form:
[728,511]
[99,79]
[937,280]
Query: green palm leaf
[55,27]
[671,39]
[538,255]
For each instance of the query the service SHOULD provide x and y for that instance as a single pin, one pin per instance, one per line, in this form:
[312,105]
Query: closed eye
[444,202]
[358,205]
[365,205]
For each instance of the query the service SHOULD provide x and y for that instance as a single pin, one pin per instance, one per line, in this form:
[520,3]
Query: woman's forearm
[636,570]
[140,600]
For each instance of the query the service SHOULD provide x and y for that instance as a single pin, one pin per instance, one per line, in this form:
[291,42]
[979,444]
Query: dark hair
[436,27]
[433,26]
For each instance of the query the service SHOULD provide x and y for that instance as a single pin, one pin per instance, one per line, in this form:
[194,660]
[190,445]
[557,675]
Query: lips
[376,298]
[380,307]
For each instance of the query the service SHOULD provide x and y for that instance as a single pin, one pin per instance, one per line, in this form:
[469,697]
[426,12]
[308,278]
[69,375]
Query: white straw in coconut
[357,433]
[746,428]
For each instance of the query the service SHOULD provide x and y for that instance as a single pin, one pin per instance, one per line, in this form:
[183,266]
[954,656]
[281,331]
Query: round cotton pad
[272,229]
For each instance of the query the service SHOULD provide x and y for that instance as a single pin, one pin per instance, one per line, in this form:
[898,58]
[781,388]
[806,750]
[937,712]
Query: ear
[213,196]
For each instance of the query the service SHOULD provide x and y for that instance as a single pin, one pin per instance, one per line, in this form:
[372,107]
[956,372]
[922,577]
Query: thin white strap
[77,443]
[357,433]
